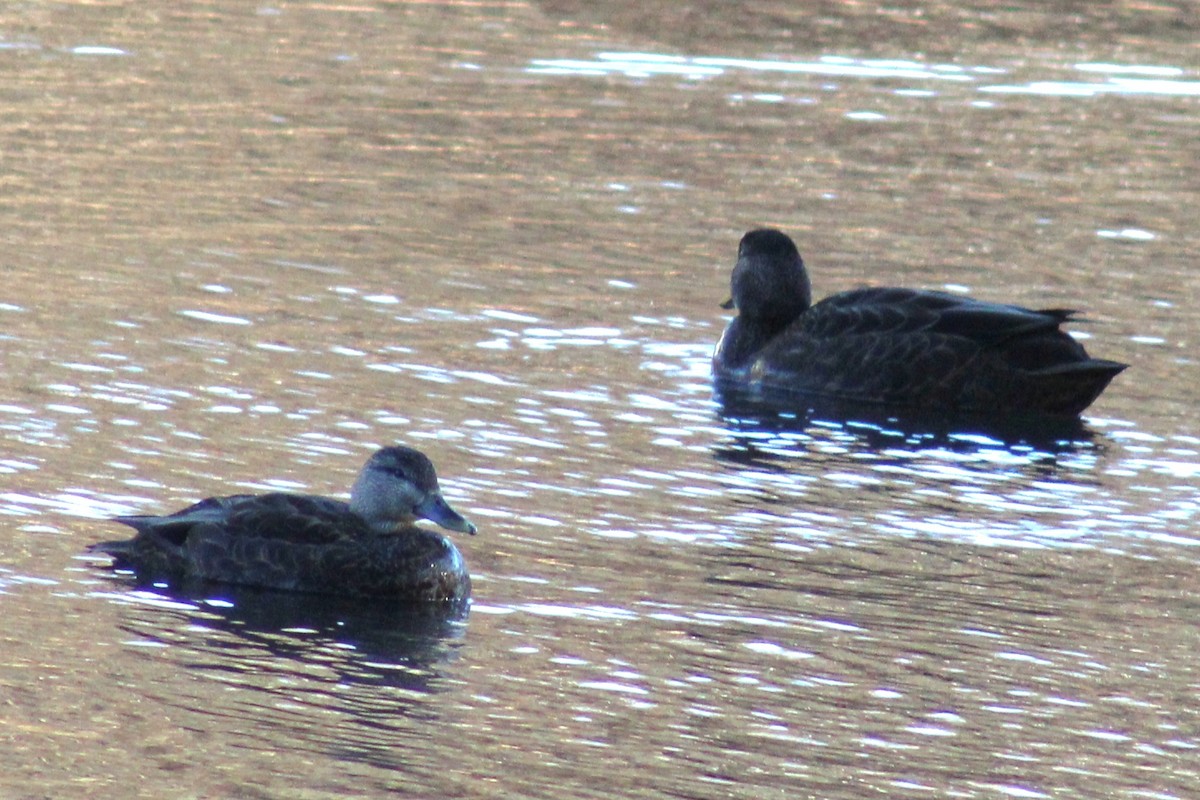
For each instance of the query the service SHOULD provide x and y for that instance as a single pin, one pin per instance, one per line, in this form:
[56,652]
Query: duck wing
[293,519]
[934,349]
[286,517]
[179,544]
[273,540]
[902,311]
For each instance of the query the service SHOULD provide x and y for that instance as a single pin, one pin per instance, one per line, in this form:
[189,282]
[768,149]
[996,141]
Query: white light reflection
[595,613]
[72,502]
[1119,86]
[1016,791]
[644,65]
[1118,79]
[613,686]
[1132,234]
[208,316]
[97,50]
[774,649]
[1130,69]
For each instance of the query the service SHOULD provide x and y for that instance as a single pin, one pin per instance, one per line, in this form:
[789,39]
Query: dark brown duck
[370,546]
[905,347]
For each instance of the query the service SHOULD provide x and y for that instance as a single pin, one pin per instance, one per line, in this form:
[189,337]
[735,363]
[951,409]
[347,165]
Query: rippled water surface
[245,245]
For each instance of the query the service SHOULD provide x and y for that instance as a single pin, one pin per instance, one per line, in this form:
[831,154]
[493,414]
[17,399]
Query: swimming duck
[367,547]
[905,347]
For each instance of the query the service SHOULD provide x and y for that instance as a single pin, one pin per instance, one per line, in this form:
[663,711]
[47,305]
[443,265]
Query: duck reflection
[410,638]
[348,677]
[811,472]
[759,414]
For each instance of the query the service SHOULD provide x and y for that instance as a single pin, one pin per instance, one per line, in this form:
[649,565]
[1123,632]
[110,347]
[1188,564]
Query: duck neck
[743,339]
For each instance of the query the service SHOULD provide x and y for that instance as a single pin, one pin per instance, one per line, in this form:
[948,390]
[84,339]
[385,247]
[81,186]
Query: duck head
[397,486]
[769,282]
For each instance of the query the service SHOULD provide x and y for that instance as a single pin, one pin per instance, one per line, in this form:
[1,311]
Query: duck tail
[1070,388]
[114,549]
[139,522]
[153,552]
[121,552]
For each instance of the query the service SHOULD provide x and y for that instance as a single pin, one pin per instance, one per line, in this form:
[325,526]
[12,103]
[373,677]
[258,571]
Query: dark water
[247,245]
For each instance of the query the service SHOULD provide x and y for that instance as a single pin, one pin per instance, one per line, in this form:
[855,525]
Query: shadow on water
[347,677]
[759,414]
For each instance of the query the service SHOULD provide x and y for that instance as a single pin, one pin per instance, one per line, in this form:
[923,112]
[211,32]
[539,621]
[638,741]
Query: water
[246,246]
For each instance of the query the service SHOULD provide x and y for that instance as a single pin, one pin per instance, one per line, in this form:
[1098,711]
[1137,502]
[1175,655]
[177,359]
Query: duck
[926,350]
[368,547]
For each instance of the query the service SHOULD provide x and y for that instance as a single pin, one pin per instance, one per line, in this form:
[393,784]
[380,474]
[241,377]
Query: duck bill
[435,509]
[728,304]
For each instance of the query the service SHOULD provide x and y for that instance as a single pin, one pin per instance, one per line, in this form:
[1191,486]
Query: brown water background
[246,244]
